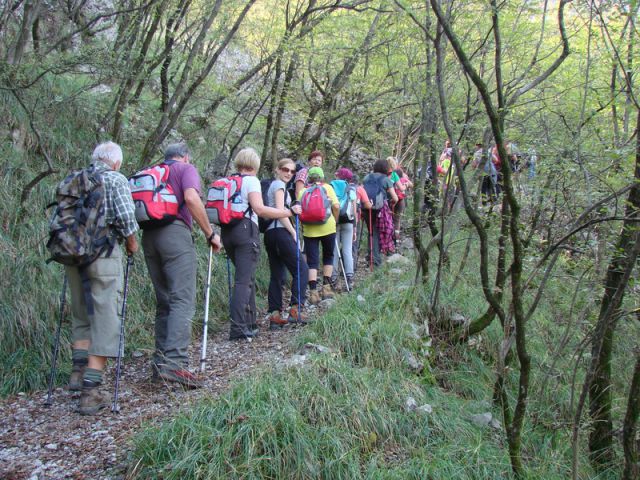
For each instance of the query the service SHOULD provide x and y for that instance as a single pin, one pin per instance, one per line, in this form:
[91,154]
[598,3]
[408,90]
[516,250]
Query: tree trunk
[631,461]
[624,259]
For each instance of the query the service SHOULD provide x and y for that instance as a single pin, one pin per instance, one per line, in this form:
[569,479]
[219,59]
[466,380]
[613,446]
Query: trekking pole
[203,353]
[298,264]
[344,274]
[360,225]
[229,281]
[114,407]
[56,347]
[370,242]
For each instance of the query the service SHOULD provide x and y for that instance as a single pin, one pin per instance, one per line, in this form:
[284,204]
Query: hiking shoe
[276,321]
[314,297]
[327,292]
[75,380]
[350,282]
[297,316]
[181,376]
[93,399]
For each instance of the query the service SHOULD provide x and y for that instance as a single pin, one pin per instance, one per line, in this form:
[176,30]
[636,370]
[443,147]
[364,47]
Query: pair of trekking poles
[56,349]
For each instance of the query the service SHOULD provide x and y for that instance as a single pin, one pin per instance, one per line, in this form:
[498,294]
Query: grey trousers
[171,260]
[103,328]
[344,236]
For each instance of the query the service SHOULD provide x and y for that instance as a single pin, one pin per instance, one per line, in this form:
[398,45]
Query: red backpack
[315,204]
[155,201]
[224,202]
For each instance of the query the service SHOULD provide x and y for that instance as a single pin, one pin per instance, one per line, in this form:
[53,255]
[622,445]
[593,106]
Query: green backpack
[78,230]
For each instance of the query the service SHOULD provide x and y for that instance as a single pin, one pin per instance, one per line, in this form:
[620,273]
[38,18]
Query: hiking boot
[350,282]
[75,380]
[276,321]
[327,292]
[314,297]
[297,316]
[181,376]
[93,398]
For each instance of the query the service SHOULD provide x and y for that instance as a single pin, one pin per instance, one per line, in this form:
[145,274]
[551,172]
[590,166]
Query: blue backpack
[346,194]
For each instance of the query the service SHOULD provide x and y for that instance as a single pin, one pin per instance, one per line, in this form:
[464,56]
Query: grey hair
[176,150]
[107,152]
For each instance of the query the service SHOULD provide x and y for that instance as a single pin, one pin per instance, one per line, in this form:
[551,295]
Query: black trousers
[284,255]
[241,242]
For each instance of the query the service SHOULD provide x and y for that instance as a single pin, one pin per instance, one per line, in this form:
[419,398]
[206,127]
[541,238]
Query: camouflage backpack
[78,230]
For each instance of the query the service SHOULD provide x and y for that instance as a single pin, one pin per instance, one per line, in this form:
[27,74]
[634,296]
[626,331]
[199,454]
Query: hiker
[363,203]
[379,222]
[320,209]
[400,186]
[242,244]
[346,193]
[281,243]
[170,255]
[489,175]
[302,177]
[96,336]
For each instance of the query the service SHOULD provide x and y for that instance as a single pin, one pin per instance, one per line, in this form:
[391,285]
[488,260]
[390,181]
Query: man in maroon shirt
[170,255]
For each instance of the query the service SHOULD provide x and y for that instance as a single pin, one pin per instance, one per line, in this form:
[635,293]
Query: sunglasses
[288,170]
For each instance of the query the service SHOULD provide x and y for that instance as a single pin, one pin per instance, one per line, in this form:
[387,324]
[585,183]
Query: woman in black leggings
[281,243]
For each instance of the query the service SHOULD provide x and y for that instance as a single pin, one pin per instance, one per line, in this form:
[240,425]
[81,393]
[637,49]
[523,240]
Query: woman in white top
[241,242]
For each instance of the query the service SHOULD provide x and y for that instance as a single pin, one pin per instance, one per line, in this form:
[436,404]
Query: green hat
[316,172]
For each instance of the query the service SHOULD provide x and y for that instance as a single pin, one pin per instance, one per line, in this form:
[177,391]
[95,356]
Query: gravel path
[38,442]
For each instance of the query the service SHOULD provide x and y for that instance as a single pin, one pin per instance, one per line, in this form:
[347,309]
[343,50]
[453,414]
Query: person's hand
[131,244]
[215,243]
[297,209]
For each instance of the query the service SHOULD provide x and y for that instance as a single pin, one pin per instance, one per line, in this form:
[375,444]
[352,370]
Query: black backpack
[264,223]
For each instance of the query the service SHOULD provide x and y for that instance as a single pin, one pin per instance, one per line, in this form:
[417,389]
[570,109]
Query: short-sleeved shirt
[302,176]
[250,183]
[329,226]
[275,186]
[183,176]
[385,182]
[119,207]
[394,177]
[361,195]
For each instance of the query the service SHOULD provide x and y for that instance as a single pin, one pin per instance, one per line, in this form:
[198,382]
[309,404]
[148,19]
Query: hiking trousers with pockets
[171,260]
[103,327]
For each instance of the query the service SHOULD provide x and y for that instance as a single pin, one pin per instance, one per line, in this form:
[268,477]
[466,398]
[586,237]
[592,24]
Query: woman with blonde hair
[281,242]
[241,242]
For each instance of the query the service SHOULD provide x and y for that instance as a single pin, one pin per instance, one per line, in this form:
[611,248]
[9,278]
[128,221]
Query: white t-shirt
[250,184]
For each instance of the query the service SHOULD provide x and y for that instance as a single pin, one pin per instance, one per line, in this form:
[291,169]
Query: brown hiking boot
[75,380]
[181,376]
[327,292]
[296,316]
[93,399]
[276,321]
[314,297]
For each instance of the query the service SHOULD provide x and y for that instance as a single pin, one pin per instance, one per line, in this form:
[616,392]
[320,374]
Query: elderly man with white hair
[96,336]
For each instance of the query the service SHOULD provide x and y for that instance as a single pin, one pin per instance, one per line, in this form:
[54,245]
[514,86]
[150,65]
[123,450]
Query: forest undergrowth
[365,410]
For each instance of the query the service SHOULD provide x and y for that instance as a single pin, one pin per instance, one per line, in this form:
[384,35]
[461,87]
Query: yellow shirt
[329,226]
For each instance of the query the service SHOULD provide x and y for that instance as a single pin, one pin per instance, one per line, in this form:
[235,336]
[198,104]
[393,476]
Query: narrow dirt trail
[38,442]
[52,443]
